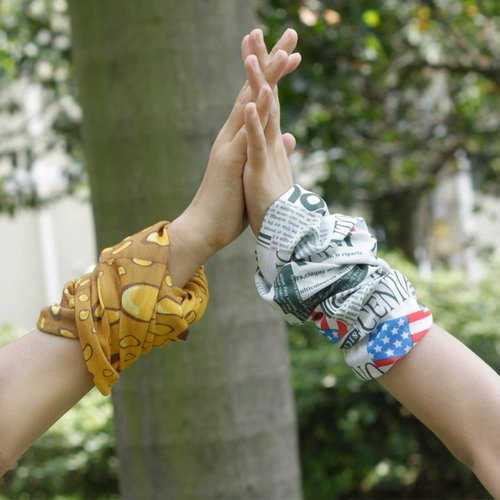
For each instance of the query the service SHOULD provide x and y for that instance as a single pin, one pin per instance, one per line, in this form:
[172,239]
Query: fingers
[274,71]
[256,141]
[245,47]
[263,105]
[289,143]
[287,42]
[293,63]
[272,74]
[255,76]
[254,44]
[258,48]
[257,79]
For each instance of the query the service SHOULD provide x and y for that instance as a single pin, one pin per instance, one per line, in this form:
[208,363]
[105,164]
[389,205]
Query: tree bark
[213,417]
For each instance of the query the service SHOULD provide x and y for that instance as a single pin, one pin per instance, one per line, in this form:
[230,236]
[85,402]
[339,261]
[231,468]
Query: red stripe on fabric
[342,328]
[418,315]
[417,336]
[324,324]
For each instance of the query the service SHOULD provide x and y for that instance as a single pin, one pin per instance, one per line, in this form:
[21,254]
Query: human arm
[42,376]
[450,389]
[457,396]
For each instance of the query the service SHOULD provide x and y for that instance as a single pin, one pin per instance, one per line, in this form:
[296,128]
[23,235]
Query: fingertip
[293,62]
[251,61]
[290,143]
[260,37]
[289,39]
[280,54]
[264,90]
[245,50]
[290,36]
[255,34]
[291,33]
[250,109]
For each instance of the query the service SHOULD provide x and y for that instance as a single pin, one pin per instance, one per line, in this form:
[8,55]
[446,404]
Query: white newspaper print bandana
[316,265]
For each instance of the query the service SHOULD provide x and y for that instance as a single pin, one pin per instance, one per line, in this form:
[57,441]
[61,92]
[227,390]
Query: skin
[457,395]
[442,382]
[45,375]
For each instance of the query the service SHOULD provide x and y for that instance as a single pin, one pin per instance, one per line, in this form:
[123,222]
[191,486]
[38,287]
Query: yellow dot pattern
[126,306]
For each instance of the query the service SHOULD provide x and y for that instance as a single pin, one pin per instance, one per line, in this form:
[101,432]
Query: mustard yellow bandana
[126,306]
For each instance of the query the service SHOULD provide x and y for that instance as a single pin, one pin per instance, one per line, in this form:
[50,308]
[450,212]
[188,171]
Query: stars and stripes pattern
[334,330]
[393,339]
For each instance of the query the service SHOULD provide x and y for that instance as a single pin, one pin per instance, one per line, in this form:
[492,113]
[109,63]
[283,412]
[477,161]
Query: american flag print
[334,330]
[393,339]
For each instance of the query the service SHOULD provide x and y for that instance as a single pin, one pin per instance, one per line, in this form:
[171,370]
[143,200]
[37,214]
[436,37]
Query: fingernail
[279,54]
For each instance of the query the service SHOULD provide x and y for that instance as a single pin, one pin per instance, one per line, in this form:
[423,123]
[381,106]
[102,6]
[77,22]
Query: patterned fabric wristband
[316,265]
[126,306]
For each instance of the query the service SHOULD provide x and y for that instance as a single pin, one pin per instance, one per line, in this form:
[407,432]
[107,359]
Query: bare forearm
[188,249]
[41,378]
[454,393]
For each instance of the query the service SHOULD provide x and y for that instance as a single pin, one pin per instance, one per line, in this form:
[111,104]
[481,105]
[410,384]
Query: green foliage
[357,441]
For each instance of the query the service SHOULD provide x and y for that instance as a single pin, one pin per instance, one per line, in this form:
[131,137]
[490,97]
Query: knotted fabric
[126,306]
[312,264]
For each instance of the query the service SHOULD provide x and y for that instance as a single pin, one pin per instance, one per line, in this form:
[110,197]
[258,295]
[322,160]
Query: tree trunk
[212,417]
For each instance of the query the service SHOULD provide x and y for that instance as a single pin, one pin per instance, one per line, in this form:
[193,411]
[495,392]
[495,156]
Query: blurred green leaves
[371,18]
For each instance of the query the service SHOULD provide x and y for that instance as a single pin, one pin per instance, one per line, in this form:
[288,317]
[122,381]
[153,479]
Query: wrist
[189,248]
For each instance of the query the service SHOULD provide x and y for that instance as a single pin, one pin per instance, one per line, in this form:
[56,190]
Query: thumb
[289,142]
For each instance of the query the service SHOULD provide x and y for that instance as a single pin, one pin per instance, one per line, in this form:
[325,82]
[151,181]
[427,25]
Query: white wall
[25,288]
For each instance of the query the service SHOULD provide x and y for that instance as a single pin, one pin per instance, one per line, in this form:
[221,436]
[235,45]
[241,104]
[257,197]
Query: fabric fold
[321,266]
[126,306]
